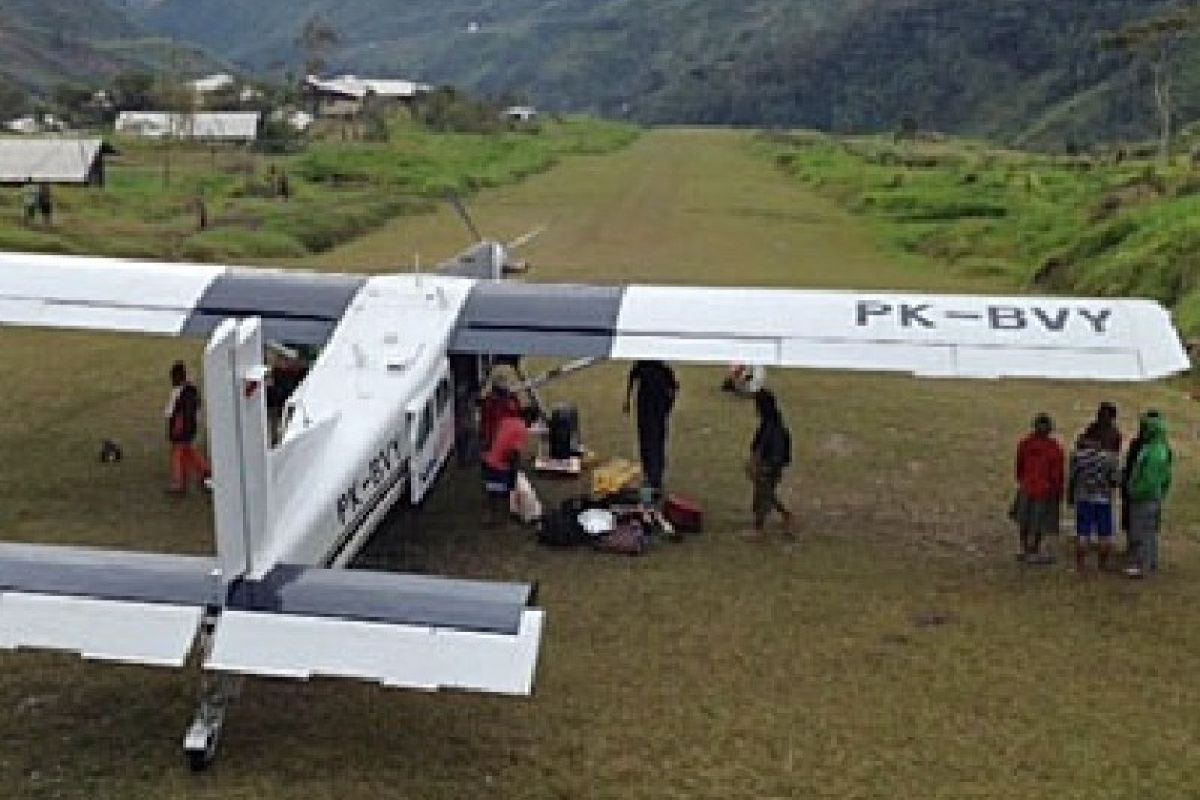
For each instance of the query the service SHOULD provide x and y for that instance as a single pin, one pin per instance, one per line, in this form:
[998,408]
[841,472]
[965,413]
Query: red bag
[684,514]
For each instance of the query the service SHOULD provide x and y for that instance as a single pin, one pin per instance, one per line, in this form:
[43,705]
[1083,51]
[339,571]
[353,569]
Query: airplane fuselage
[371,425]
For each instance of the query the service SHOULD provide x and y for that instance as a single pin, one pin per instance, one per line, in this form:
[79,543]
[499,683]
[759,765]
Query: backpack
[560,529]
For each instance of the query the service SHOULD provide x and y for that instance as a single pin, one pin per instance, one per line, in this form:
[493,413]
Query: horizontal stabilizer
[368,596]
[155,634]
[402,656]
[109,574]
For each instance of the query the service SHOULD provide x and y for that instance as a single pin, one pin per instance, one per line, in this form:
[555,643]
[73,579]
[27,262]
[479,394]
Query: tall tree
[1157,42]
[317,39]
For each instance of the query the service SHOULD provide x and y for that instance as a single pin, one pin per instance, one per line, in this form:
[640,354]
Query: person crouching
[182,413]
[1092,481]
[501,462]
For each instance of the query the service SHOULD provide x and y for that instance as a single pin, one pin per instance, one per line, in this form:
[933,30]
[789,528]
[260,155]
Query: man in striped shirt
[1094,475]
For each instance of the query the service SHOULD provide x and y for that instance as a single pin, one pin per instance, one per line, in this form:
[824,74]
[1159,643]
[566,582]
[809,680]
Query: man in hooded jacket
[1149,483]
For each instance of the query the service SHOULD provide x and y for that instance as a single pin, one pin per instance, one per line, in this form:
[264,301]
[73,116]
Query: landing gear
[217,692]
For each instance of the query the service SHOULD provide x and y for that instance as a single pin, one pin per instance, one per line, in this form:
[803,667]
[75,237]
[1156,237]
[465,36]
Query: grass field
[338,190]
[896,651]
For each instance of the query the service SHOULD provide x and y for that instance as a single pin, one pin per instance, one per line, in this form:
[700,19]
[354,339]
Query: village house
[346,95]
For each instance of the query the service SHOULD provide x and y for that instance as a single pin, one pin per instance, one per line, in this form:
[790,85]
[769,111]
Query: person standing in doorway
[183,414]
[656,392]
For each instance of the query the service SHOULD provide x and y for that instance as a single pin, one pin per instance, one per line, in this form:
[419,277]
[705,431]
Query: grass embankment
[339,190]
[1078,225]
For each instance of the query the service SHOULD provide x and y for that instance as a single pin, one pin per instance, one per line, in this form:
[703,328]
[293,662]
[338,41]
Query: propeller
[461,210]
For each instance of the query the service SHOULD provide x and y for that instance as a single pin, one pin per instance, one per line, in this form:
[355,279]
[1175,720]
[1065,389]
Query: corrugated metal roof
[52,160]
[353,86]
[213,83]
[239,126]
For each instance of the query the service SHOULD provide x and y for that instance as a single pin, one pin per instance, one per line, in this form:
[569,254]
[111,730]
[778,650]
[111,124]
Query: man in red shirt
[1040,474]
[501,459]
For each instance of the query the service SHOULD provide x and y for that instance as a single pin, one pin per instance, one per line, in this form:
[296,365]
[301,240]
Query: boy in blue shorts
[1094,475]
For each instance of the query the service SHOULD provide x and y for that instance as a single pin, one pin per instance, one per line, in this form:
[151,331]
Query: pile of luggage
[619,523]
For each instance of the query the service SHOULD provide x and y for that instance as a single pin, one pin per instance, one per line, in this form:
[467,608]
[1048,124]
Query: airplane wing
[400,630]
[928,335]
[168,299]
[961,336]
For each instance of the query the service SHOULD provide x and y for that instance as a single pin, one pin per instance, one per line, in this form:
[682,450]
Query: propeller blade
[521,241]
[461,210]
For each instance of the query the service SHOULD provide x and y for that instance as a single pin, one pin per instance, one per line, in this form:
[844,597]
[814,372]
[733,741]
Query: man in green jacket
[1149,483]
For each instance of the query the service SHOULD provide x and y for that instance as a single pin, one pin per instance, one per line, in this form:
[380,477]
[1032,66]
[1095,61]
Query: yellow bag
[615,476]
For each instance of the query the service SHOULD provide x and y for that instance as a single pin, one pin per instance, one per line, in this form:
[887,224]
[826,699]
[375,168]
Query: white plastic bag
[523,501]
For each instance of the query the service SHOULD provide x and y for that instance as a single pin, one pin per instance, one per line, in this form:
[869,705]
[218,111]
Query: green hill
[1005,68]
[45,42]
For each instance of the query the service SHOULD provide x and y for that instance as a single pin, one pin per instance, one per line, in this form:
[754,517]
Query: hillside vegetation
[1023,70]
[46,42]
[337,190]
[1104,226]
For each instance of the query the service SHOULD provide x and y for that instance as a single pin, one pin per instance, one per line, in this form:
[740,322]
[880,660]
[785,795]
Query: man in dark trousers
[182,413]
[656,392]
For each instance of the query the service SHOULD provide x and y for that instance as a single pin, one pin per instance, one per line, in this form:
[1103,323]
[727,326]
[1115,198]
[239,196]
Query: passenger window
[426,427]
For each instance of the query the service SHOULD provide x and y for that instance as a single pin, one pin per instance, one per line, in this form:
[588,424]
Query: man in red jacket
[1040,471]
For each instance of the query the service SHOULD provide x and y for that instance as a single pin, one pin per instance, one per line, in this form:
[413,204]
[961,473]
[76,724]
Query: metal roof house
[72,161]
[521,113]
[207,126]
[345,95]
[213,83]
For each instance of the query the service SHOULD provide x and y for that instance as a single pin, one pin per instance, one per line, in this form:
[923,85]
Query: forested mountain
[46,42]
[997,67]
[1024,71]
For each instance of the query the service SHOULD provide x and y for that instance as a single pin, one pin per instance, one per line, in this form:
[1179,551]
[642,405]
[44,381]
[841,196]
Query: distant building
[34,124]
[207,126]
[74,161]
[297,120]
[300,120]
[521,113]
[213,83]
[344,96]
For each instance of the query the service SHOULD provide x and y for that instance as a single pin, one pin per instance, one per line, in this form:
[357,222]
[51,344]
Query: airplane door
[431,432]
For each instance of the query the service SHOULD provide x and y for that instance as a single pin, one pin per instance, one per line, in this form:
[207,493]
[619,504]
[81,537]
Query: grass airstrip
[897,650]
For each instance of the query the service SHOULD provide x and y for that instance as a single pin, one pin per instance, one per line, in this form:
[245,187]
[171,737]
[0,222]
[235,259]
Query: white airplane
[372,425]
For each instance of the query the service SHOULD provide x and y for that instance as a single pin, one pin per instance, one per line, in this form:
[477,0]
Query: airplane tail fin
[238,436]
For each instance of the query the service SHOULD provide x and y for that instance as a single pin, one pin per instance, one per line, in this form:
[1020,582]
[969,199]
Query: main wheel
[201,758]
